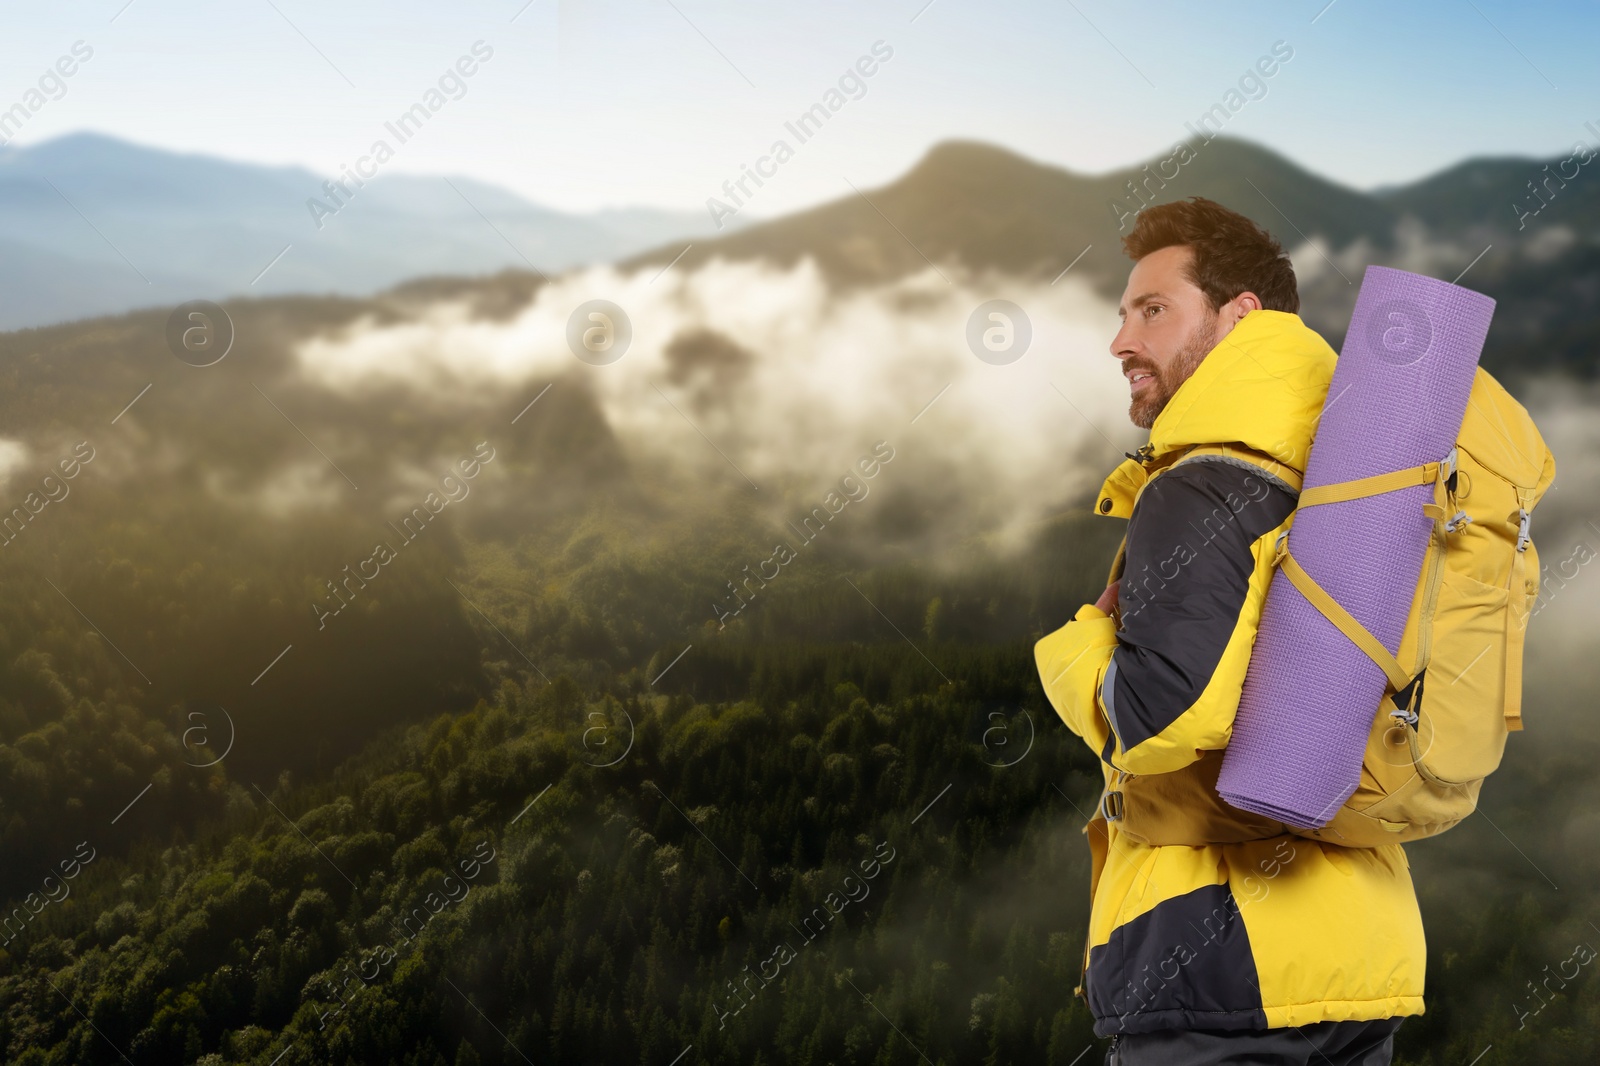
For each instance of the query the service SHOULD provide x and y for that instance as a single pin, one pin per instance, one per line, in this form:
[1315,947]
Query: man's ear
[1243,304]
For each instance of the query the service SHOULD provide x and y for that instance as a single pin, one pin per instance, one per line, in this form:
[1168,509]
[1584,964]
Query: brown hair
[1231,253]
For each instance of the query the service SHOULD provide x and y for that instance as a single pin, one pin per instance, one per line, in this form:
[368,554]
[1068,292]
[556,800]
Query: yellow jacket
[1203,916]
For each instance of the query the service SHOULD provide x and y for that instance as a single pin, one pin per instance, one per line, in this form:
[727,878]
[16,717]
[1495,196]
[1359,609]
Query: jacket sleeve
[1150,697]
[1071,662]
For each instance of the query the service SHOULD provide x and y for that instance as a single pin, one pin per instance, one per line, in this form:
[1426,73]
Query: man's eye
[1151,310]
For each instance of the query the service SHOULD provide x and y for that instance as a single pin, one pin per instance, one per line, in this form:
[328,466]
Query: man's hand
[1108,599]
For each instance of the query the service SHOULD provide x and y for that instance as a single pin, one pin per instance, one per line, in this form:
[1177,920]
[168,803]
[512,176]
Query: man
[1215,935]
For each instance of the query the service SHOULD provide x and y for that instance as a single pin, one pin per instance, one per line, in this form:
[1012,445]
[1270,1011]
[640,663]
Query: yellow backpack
[1455,687]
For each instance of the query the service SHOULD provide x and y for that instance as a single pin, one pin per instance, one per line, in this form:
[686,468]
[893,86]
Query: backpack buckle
[1522,528]
[1111,806]
[1408,700]
[1447,472]
[1459,519]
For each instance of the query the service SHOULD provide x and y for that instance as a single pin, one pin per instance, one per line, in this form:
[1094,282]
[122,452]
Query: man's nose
[1122,345]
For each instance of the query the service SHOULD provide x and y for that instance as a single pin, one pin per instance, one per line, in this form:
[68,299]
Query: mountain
[989,209]
[91,224]
[1494,195]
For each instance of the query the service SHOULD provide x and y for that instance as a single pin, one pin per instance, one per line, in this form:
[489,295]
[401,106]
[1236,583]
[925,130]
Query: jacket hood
[1262,387]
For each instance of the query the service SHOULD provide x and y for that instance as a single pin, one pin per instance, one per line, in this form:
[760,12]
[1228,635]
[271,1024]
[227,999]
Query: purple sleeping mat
[1397,399]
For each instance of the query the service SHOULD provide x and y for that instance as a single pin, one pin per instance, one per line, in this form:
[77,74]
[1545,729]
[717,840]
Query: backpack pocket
[1460,734]
[1418,780]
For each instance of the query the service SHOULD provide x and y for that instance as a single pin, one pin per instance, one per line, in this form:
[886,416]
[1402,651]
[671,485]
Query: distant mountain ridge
[987,208]
[91,224]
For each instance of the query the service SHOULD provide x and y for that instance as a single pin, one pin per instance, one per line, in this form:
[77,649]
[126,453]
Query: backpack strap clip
[1447,468]
[1434,473]
[1408,700]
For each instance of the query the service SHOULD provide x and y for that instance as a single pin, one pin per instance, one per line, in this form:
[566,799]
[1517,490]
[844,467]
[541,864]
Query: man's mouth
[1139,379]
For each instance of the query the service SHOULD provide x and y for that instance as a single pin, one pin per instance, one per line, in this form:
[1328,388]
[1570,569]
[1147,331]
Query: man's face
[1167,329]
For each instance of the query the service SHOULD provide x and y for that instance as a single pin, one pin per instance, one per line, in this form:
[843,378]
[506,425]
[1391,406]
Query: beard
[1163,383]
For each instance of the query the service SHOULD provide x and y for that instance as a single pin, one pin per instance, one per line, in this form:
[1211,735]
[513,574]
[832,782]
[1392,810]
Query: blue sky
[590,103]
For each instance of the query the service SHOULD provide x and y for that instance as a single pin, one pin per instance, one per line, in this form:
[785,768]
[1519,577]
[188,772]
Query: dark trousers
[1333,1043]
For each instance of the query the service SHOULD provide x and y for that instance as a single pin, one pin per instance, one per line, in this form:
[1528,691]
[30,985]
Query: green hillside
[560,875]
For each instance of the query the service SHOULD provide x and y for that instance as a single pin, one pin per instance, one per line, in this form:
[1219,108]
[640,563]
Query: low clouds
[768,370]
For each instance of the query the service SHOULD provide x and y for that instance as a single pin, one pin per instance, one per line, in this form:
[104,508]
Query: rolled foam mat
[1397,399]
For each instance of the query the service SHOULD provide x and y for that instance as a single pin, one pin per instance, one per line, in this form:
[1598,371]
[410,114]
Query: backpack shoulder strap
[1286,476]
